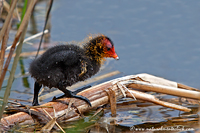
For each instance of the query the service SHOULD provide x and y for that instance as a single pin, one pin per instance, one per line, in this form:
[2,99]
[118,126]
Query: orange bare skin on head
[101,49]
[109,49]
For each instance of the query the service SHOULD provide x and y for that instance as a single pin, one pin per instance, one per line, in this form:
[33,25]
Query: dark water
[150,36]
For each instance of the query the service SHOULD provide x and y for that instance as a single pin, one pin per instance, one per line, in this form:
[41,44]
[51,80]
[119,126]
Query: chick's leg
[76,91]
[37,88]
[70,94]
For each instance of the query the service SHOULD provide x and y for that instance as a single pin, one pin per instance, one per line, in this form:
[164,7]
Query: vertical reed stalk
[12,73]
[10,14]
[17,36]
[4,35]
[1,6]
[45,24]
[3,46]
[21,32]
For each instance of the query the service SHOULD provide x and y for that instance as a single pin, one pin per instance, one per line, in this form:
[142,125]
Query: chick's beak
[115,56]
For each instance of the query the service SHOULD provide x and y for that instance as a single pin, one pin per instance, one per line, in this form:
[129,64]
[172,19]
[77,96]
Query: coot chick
[65,65]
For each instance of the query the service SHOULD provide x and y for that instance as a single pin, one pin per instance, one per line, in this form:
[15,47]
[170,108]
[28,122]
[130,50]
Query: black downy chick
[64,65]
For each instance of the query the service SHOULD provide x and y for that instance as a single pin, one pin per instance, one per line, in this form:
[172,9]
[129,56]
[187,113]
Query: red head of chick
[65,65]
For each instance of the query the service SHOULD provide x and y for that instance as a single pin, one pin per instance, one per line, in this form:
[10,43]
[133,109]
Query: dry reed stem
[4,34]
[3,46]
[27,54]
[113,102]
[1,6]
[50,124]
[30,38]
[17,36]
[6,6]
[186,87]
[97,96]
[165,89]
[6,23]
[151,98]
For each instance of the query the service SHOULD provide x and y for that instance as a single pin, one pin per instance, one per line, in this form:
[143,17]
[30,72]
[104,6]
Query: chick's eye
[108,49]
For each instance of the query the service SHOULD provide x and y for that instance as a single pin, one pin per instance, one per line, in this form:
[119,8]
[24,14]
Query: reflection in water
[33,25]
[149,117]
[24,79]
